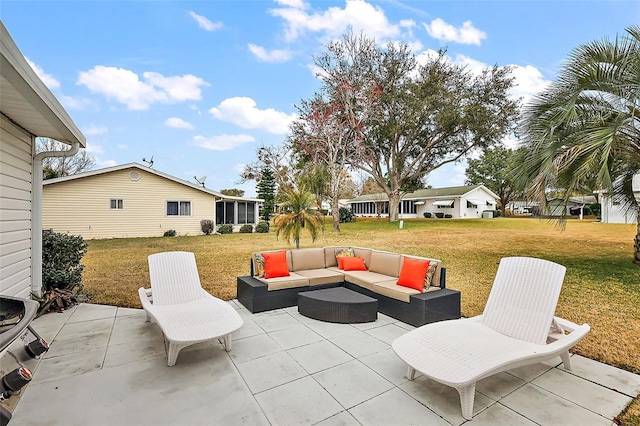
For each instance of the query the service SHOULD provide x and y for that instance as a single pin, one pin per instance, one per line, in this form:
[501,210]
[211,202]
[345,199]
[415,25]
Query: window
[246,213]
[116,204]
[225,212]
[471,205]
[178,208]
[408,207]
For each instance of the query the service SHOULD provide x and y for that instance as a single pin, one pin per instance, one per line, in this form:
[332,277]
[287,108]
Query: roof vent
[134,175]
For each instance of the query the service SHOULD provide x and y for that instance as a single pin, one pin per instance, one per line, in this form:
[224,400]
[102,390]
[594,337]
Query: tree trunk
[394,200]
[335,213]
[636,245]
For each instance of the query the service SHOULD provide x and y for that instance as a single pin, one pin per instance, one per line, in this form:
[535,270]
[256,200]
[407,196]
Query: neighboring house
[523,207]
[131,200]
[613,210]
[28,110]
[556,206]
[458,201]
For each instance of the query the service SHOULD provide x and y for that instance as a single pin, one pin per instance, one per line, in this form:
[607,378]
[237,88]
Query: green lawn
[601,288]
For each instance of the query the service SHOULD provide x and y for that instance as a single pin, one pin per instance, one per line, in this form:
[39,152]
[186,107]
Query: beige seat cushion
[385,263]
[292,281]
[365,279]
[322,276]
[309,258]
[391,289]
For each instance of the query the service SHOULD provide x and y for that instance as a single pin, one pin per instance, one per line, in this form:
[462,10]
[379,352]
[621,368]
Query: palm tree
[585,127]
[298,210]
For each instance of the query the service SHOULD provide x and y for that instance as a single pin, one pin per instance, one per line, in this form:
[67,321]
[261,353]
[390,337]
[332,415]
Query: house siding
[16,155]
[82,206]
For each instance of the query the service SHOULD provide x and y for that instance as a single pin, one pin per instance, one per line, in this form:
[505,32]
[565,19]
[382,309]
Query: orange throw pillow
[412,273]
[339,259]
[275,264]
[353,264]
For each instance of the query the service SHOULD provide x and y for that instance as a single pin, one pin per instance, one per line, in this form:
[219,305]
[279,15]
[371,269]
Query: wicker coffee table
[339,305]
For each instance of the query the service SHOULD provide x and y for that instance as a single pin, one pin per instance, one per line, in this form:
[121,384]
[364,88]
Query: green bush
[207,226]
[61,256]
[448,216]
[439,215]
[427,215]
[170,233]
[246,229]
[346,215]
[262,227]
[226,228]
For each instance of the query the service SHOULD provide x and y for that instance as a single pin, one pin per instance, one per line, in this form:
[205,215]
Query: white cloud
[177,123]
[222,142]
[239,167]
[47,79]
[528,82]
[242,112]
[94,148]
[123,146]
[335,21]
[275,55]
[95,130]
[441,30]
[298,4]
[127,88]
[205,23]
[71,102]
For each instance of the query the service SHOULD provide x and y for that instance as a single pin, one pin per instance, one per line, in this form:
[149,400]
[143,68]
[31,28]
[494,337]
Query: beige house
[28,110]
[132,200]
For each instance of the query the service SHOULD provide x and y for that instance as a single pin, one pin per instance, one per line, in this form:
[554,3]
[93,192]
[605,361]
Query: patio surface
[106,366]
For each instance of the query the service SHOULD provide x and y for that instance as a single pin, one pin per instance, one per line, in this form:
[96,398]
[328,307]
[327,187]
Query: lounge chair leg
[566,360]
[411,373]
[226,342]
[467,395]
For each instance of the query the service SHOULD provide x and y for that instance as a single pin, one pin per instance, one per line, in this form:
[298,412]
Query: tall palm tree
[298,210]
[585,127]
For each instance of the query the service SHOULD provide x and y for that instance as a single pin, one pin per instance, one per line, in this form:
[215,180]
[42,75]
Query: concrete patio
[107,366]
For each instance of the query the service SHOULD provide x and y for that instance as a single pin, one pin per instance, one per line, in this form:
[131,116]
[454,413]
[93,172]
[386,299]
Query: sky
[200,85]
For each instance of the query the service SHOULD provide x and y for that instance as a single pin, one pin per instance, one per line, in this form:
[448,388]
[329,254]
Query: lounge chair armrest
[145,298]
[562,342]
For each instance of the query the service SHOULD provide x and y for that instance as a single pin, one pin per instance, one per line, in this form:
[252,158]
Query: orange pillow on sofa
[353,264]
[275,264]
[413,273]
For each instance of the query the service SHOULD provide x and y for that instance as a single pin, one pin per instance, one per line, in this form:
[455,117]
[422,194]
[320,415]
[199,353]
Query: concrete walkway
[106,366]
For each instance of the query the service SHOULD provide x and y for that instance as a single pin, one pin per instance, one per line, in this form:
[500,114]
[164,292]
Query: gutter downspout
[36,215]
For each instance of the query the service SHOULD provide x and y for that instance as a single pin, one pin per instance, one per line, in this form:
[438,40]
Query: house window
[471,205]
[178,208]
[246,213]
[225,212]
[116,204]
[408,207]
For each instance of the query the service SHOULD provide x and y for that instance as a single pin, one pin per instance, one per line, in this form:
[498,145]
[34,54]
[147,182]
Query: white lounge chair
[517,328]
[185,312]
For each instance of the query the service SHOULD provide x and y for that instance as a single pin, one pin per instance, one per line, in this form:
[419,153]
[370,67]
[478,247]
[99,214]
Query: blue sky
[200,85]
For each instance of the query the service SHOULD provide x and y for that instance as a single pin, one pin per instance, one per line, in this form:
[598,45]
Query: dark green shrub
[448,216]
[439,215]
[246,229]
[596,209]
[497,213]
[170,233]
[207,226]
[346,215]
[61,256]
[226,228]
[427,215]
[262,227]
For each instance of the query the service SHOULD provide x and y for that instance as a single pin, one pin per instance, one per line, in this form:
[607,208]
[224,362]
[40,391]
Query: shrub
[346,215]
[427,215]
[246,229]
[170,233]
[61,256]
[448,216]
[262,227]
[226,228]
[207,226]
[439,215]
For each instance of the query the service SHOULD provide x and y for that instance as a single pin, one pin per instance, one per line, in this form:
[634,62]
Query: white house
[131,200]
[457,201]
[28,110]
[612,209]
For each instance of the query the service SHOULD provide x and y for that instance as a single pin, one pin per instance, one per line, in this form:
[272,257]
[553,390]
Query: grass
[601,288]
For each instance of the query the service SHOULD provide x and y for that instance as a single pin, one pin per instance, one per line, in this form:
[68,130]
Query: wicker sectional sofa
[317,268]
